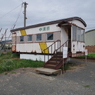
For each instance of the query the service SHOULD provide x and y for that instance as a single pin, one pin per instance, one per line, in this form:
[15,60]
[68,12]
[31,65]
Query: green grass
[87,86]
[8,55]
[91,55]
[6,73]
[10,61]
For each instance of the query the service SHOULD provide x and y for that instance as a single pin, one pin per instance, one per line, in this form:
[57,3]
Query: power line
[10,11]
[17,17]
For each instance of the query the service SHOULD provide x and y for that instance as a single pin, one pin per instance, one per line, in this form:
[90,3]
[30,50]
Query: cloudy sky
[39,11]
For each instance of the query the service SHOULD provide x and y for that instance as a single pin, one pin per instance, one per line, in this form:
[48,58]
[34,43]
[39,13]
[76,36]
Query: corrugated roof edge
[51,22]
[90,30]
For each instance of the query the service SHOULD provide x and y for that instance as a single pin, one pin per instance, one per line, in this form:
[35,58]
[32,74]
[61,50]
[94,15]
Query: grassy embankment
[90,55]
[10,61]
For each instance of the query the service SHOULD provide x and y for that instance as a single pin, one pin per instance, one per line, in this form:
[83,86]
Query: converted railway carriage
[35,41]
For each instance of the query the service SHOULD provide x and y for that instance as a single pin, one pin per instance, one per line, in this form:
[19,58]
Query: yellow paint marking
[23,32]
[44,46]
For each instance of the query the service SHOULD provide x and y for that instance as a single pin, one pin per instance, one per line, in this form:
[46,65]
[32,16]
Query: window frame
[78,34]
[50,39]
[74,33]
[37,39]
[22,38]
[31,38]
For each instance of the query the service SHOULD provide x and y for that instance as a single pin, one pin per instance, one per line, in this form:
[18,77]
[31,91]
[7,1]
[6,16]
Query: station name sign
[46,28]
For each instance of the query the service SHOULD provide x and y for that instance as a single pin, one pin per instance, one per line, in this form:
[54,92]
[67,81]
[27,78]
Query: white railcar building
[35,41]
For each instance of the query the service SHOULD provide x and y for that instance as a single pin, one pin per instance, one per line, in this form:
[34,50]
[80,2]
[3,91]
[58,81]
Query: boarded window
[21,38]
[38,37]
[29,38]
[50,36]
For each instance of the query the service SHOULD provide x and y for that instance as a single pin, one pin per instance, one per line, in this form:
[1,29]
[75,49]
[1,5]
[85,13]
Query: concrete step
[48,71]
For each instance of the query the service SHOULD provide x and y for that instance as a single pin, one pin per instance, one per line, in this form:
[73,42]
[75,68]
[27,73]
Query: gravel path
[80,81]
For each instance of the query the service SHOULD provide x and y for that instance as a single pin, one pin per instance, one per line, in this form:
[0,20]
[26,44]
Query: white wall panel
[18,33]
[77,46]
[34,57]
[28,47]
[36,30]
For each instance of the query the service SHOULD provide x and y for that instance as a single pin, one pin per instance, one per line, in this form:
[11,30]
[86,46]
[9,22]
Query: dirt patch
[19,71]
[77,68]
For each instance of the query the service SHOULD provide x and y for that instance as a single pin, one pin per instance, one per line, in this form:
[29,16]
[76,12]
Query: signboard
[86,52]
[65,52]
[44,28]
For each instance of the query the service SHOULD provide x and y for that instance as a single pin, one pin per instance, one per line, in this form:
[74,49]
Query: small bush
[15,55]
[8,53]
[1,54]
[7,65]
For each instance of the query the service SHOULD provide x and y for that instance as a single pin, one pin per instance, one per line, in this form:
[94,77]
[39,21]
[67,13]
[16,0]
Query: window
[21,38]
[78,33]
[82,35]
[29,38]
[38,37]
[50,36]
[74,33]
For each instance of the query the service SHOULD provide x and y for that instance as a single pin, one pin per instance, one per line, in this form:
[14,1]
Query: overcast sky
[39,11]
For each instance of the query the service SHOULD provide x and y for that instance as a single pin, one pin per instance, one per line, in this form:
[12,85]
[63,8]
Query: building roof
[90,30]
[52,22]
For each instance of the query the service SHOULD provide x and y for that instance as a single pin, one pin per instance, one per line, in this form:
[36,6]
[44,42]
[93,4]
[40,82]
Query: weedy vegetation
[68,65]
[87,86]
[90,55]
[10,61]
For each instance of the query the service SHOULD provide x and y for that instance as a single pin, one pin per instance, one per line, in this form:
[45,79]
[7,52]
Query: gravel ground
[79,81]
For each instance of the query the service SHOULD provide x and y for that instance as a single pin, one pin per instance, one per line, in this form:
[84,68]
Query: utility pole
[25,6]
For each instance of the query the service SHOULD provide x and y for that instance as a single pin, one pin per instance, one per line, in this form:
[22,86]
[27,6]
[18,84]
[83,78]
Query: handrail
[60,49]
[56,54]
[51,45]
[61,46]
[51,48]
